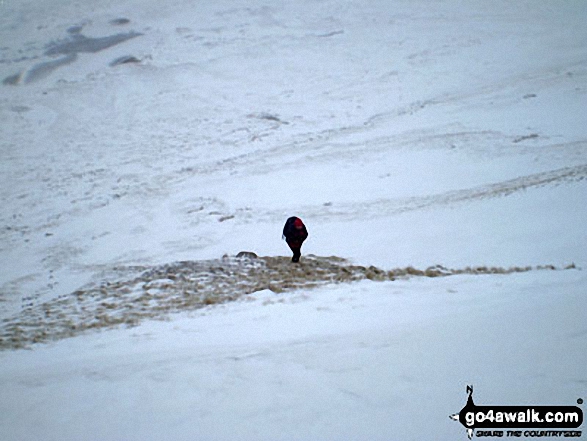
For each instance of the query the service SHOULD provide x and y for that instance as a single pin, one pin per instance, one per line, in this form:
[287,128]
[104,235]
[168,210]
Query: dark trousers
[296,247]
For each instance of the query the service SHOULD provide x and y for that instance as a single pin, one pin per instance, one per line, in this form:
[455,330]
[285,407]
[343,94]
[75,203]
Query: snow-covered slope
[136,134]
[365,361]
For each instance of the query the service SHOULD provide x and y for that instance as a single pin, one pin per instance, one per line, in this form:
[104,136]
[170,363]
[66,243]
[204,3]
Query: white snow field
[436,150]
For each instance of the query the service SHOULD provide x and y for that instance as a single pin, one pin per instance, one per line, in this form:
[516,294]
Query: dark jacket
[295,232]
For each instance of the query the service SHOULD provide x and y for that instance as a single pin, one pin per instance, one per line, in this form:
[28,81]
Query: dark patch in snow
[42,70]
[330,34]
[12,80]
[525,138]
[65,51]
[20,109]
[75,29]
[79,43]
[120,21]
[267,117]
[127,59]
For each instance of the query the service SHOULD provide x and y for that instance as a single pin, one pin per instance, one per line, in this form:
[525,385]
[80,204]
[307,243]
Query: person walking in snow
[294,233]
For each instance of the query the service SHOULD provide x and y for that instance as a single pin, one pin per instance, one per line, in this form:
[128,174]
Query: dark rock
[247,255]
[120,21]
[127,59]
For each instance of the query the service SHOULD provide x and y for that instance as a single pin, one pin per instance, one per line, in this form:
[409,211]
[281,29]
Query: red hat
[298,223]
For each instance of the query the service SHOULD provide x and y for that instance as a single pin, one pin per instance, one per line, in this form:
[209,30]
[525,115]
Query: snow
[403,133]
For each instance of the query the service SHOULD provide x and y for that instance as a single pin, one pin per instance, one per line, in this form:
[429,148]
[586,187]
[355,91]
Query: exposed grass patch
[184,286]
